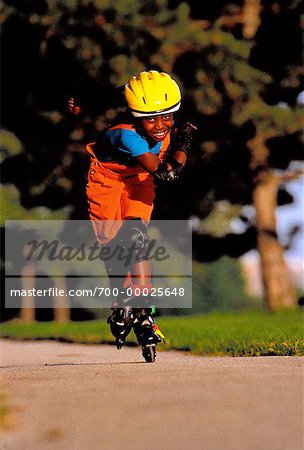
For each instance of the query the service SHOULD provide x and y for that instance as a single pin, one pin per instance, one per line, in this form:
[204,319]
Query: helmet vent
[144,100]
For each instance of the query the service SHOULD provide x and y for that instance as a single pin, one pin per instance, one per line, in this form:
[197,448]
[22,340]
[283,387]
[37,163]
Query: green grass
[4,411]
[238,334]
[234,334]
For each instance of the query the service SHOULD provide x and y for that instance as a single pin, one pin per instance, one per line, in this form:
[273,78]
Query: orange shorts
[113,196]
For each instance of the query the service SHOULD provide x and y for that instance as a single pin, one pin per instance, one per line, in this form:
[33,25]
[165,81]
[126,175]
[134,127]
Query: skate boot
[121,322]
[148,334]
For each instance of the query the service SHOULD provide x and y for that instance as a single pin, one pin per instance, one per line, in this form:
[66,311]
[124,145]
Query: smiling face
[157,127]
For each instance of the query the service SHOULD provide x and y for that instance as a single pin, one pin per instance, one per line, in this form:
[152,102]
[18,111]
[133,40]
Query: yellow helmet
[152,93]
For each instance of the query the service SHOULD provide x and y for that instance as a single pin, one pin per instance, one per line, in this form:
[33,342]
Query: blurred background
[240,66]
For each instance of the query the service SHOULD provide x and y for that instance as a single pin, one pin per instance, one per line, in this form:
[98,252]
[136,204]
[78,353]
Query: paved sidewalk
[80,397]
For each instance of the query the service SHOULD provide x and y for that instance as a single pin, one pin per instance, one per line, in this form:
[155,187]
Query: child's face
[157,127]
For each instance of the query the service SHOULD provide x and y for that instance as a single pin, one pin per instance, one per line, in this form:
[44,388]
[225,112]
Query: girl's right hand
[73,109]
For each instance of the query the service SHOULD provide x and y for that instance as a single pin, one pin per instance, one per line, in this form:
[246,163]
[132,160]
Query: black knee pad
[133,239]
[128,248]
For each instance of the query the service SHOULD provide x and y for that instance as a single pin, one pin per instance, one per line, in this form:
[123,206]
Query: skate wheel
[119,344]
[149,353]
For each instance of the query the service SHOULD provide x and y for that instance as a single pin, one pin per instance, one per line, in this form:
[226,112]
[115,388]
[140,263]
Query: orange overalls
[115,192]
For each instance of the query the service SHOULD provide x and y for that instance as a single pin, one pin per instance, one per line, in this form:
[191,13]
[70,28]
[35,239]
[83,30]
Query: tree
[245,88]
[230,84]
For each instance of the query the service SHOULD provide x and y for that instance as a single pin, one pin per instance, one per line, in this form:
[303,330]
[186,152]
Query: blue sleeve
[130,142]
[134,143]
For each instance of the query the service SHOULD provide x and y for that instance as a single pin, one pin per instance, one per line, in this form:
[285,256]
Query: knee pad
[133,239]
[128,248]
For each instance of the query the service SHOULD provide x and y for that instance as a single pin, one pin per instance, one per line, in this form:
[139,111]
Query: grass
[4,411]
[234,334]
[238,334]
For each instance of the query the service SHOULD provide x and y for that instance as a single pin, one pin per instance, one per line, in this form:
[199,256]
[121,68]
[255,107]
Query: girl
[125,164]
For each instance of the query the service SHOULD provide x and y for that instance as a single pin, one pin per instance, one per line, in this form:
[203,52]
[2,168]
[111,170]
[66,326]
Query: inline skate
[121,322]
[148,334]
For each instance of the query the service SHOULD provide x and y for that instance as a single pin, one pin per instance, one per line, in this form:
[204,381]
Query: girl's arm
[172,168]
[182,143]
[161,171]
[150,162]
[180,157]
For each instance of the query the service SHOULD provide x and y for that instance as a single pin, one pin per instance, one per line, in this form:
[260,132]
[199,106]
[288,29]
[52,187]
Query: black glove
[176,166]
[184,137]
[163,175]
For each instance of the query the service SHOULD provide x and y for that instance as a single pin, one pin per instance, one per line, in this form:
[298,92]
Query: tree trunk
[279,291]
[28,274]
[62,310]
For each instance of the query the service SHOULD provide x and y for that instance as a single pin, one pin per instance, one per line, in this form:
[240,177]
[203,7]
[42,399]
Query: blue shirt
[130,142]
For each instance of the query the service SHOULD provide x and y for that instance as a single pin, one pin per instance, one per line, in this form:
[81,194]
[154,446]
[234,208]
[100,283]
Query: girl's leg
[145,328]
[137,204]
